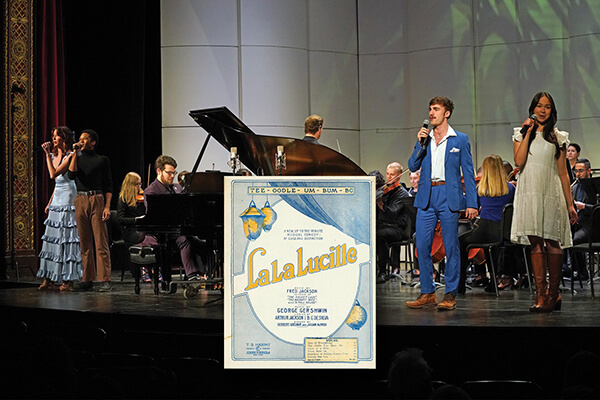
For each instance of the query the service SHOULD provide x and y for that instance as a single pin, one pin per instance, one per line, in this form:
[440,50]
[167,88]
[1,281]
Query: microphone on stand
[524,129]
[280,160]
[234,161]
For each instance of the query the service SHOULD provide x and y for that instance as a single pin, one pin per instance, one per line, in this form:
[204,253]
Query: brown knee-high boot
[538,264]
[554,275]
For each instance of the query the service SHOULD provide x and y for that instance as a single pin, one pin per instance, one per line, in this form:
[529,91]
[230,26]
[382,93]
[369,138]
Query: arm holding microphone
[423,139]
[521,148]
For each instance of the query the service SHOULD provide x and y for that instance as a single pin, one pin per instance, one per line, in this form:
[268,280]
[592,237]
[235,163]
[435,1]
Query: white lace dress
[540,208]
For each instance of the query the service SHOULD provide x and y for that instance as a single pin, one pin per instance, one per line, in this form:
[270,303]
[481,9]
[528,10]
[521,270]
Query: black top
[126,215]
[393,214]
[310,139]
[93,172]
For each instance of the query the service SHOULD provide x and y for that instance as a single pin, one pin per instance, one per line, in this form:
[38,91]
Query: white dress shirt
[438,156]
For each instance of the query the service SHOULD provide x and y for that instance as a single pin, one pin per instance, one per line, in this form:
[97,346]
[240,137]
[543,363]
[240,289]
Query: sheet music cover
[299,272]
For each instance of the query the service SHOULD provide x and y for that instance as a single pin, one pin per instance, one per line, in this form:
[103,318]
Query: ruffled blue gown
[60,258]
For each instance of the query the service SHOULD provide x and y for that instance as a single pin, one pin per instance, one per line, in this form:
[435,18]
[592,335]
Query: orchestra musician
[441,154]
[129,207]
[313,128]
[414,183]
[189,246]
[391,219]
[493,193]
[93,178]
[543,205]
[573,152]
[584,206]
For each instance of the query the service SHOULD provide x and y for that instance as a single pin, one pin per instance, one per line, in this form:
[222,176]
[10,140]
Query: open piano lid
[257,152]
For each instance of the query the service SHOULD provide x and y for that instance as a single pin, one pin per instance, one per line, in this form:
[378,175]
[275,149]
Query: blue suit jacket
[458,155]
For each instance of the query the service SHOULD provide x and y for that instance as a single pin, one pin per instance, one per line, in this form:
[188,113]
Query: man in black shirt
[92,175]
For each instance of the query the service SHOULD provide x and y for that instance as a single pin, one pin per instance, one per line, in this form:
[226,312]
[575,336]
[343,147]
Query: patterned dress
[60,258]
[540,208]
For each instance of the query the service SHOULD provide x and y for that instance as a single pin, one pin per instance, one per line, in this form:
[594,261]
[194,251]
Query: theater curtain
[50,95]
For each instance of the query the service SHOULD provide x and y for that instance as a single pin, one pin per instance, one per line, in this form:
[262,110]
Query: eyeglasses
[173,173]
[580,170]
[138,184]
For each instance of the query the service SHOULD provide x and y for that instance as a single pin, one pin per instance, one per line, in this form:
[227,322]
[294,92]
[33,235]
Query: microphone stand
[280,161]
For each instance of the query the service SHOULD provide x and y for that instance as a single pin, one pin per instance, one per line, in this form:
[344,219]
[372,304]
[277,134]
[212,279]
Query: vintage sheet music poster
[299,272]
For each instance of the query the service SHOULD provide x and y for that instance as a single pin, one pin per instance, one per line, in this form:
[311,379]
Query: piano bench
[142,255]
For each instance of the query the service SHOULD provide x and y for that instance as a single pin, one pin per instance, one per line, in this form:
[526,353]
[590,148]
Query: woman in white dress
[543,205]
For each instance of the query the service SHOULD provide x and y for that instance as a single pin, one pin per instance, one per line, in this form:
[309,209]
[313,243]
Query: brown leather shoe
[425,300]
[449,303]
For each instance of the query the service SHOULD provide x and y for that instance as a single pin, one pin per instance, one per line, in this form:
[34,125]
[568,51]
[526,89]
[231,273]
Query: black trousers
[385,236]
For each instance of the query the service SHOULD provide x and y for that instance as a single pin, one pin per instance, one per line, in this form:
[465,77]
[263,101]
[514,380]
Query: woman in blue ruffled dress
[60,258]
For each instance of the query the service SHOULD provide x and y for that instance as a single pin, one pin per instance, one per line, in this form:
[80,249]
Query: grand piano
[198,210]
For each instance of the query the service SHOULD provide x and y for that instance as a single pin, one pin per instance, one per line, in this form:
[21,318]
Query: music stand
[591,186]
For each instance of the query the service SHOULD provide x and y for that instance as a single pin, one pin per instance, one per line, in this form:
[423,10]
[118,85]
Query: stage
[486,337]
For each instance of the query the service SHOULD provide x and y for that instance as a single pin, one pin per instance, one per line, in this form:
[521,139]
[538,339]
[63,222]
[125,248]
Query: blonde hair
[493,177]
[129,189]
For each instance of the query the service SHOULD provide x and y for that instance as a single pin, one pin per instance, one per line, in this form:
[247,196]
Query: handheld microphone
[524,129]
[40,148]
[425,141]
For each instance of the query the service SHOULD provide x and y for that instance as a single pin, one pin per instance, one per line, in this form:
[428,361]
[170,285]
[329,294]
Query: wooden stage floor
[486,337]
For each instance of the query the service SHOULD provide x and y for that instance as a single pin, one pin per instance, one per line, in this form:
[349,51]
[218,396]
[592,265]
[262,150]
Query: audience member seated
[409,375]
[581,376]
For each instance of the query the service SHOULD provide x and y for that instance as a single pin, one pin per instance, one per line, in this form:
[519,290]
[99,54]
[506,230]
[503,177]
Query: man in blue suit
[441,154]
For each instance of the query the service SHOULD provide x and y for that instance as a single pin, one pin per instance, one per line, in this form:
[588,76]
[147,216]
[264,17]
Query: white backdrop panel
[332,31]
[441,72]
[378,149]
[191,22]
[274,86]
[383,91]
[382,26]
[584,89]
[542,69]
[495,22]
[334,89]
[434,24]
[493,139]
[497,101]
[184,144]
[197,77]
[274,23]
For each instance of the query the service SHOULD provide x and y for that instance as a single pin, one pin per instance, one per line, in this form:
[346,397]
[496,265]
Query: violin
[140,196]
[389,186]
[513,174]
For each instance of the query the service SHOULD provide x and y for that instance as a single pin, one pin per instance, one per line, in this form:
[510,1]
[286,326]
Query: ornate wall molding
[18,67]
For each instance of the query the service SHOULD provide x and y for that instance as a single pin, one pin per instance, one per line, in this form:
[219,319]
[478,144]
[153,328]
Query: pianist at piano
[189,246]
[313,128]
